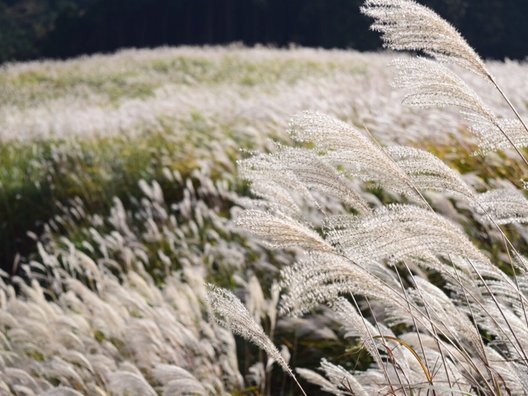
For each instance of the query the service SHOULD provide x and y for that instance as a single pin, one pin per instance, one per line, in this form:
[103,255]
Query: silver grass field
[256,221]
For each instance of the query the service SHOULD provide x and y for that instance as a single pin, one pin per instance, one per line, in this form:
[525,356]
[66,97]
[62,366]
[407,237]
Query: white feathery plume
[456,365]
[409,26]
[278,186]
[255,300]
[178,381]
[257,374]
[341,378]
[274,197]
[427,172]
[511,373]
[229,312]
[315,174]
[129,383]
[20,378]
[514,131]
[65,372]
[395,232]
[431,84]
[356,325]
[322,277]
[184,387]
[404,367]
[317,379]
[280,232]
[505,293]
[509,329]
[346,147]
[300,171]
[504,205]
[522,281]
[342,383]
[61,391]
[273,303]
[326,132]
[374,382]
[492,310]
[445,313]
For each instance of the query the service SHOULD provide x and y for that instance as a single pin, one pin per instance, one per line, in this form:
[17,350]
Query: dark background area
[32,29]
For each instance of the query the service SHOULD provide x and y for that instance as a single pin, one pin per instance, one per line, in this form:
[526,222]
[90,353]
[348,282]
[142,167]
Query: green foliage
[25,24]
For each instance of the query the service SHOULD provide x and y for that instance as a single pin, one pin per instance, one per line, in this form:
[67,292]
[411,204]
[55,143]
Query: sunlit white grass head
[490,140]
[277,231]
[414,231]
[505,205]
[322,277]
[428,173]
[340,381]
[356,154]
[229,312]
[409,26]
[429,83]
[301,171]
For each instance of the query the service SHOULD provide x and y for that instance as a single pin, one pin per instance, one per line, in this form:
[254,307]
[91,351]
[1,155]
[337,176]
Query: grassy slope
[37,174]
[40,174]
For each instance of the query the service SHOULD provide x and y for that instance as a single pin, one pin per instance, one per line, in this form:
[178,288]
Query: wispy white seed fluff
[229,312]
[428,173]
[351,150]
[281,232]
[505,206]
[409,26]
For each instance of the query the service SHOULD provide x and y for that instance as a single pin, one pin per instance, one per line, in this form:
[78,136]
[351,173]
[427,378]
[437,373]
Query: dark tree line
[63,28]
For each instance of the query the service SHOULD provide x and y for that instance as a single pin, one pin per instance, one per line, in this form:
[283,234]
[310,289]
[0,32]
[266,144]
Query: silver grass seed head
[298,173]
[343,379]
[428,173]
[322,277]
[409,26]
[279,232]
[317,379]
[345,147]
[431,84]
[505,206]
[490,140]
[229,312]
[397,232]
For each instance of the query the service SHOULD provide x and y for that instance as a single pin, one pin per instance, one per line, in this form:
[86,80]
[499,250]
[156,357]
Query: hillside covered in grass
[118,182]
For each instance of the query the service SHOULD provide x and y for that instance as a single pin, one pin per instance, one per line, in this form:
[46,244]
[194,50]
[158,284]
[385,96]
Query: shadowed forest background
[32,29]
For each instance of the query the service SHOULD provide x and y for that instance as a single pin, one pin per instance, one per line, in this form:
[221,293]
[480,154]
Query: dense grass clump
[398,272]
[148,197]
